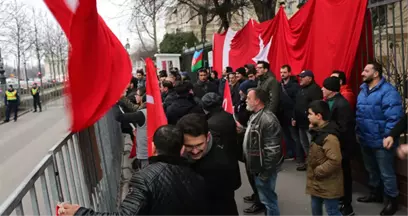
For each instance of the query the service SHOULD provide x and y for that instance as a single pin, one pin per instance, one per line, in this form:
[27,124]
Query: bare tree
[265,9]
[37,39]
[145,15]
[19,32]
[208,10]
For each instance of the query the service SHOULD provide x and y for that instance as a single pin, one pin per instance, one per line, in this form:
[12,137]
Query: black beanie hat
[332,84]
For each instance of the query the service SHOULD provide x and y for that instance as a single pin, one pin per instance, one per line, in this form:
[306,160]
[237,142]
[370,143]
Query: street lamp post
[127,46]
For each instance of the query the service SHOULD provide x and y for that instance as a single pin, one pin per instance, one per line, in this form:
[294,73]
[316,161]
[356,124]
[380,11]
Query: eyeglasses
[192,147]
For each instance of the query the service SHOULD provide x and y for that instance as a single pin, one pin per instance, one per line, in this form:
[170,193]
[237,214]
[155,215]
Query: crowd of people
[195,170]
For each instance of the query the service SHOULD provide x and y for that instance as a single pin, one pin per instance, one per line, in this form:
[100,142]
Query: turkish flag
[227,102]
[321,37]
[99,68]
[155,112]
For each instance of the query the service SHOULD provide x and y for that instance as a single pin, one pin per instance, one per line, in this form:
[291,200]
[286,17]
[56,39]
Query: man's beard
[368,80]
[249,108]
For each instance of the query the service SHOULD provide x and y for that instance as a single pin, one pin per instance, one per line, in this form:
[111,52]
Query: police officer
[35,92]
[12,100]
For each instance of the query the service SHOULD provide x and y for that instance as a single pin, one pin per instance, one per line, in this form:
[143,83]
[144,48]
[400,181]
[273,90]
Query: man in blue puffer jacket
[379,108]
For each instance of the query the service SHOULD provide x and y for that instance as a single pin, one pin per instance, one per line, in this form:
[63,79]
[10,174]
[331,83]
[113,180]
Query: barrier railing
[83,168]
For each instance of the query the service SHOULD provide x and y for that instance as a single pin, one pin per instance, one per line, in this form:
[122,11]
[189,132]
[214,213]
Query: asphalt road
[25,142]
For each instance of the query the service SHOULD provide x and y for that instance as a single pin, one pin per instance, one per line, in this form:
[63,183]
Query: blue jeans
[379,164]
[331,205]
[267,194]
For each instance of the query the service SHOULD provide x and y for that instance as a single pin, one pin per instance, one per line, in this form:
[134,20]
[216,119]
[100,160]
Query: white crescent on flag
[72,4]
[263,51]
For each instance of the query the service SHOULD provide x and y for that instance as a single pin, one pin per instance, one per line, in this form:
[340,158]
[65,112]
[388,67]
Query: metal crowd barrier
[84,168]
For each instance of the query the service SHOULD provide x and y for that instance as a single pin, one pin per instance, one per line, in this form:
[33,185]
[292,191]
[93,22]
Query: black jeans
[37,102]
[11,107]
[347,181]
[223,203]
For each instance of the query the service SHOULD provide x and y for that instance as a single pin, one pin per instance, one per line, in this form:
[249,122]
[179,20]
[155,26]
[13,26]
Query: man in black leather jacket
[262,149]
[168,186]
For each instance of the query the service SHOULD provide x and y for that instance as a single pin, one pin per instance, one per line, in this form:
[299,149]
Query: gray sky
[115,14]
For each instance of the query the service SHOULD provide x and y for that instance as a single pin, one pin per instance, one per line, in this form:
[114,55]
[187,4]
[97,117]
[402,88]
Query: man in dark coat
[309,91]
[342,114]
[267,82]
[289,88]
[203,85]
[210,147]
[183,105]
[234,89]
[168,186]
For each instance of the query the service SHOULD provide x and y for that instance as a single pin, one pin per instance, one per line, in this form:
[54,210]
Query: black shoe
[249,199]
[15,120]
[347,210]
[302,168]
[35,111]
[371,198]
[390,206]
[5,121]
[256,208]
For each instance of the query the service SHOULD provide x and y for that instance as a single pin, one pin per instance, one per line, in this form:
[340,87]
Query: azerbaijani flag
[197,61]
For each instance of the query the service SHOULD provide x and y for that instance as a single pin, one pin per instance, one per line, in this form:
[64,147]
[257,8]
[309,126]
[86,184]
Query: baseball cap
[306,73]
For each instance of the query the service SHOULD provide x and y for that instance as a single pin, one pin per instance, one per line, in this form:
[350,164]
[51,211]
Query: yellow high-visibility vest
[34,91]
[11,96]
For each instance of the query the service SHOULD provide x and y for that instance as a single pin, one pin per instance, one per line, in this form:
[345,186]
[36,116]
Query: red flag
[227,102]
[155,111]
[99,67]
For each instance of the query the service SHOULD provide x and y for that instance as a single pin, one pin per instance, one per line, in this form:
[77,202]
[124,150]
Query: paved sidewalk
[25,142]
[291,194]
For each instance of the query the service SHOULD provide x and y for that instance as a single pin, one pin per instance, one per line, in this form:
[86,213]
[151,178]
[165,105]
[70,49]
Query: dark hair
[264,64]
[163,73]
[202,70]
[140,72]
[320,107]
[142,93]
[231,74]
[261,94]
[287,67]
[174,73]
[168,140]
[377,67]
[193,124]
[215,72]
[183,89]
[241,71]
[253,72]
[229,69]
[167,84]
[342,76]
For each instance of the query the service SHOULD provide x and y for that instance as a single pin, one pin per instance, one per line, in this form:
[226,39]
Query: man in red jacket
[345,89]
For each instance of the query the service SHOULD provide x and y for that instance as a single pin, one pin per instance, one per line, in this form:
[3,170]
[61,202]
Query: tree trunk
[264,9]
[154,25]
[53,66]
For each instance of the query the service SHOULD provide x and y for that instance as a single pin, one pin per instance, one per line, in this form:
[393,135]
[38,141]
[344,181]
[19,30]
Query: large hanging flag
[155,112]
[99,68]
[197,61]
[298,41]
[227,102]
